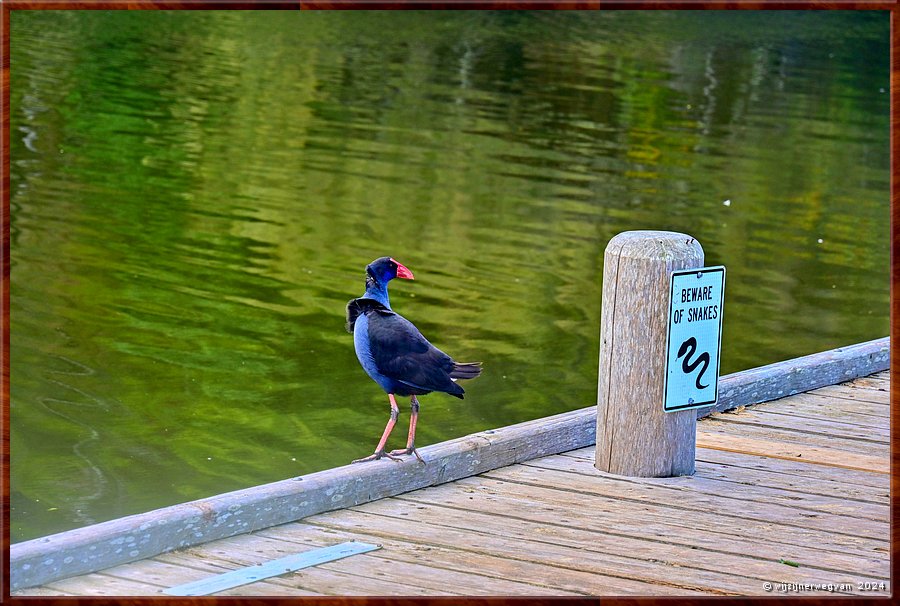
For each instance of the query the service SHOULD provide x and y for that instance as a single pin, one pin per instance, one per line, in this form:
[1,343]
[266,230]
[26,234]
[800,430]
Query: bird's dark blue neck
[377,291]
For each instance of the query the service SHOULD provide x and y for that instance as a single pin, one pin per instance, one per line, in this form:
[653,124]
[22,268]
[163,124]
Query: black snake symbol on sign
[689,347]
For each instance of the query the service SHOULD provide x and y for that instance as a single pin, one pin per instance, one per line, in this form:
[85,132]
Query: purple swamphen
[396,355]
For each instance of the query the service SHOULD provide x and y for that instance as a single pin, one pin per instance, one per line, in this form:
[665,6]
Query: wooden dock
[790,497]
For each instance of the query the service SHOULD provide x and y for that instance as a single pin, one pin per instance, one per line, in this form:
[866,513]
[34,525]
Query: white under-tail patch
[454,380]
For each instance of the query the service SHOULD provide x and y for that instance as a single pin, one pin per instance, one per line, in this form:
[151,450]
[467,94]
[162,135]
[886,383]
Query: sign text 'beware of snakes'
[694,338]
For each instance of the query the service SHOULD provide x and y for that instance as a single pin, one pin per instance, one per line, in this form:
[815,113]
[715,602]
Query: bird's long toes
[409,451]
[377,455]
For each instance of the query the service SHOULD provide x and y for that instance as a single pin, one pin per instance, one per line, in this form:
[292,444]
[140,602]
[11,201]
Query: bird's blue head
[381,271]
[385,269]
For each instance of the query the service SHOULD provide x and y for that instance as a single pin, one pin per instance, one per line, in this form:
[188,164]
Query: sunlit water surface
[195,196]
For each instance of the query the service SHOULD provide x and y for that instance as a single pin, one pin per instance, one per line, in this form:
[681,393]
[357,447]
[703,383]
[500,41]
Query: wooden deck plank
[375,571]
[818,455]
[695,534]
[321,580]
[854,411]
[340,584]
[640,525]
[702,484]
[775,473]
[849,392]
[150,577]
[481,574]
[41,591]
[802,416]
[159,575]
[818,427]
[165,575]
[100,584]
[797,437]
[837,489]
[874,484]
[618,574]
[370,576]
[607,511]
[468,559]
[630,539]
[553,552]
[684,493]
[146,577]
[434,579]
[880,380]
[440,577]
[269,589]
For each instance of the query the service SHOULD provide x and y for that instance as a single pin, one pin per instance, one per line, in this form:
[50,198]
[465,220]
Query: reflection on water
[195,196]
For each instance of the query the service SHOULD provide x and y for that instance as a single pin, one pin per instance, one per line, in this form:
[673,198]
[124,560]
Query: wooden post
[634,436]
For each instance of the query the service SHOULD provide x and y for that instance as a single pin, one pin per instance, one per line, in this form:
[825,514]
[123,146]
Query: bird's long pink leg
[411,438]
[379,450]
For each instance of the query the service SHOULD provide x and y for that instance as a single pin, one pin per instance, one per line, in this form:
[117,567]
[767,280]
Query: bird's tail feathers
[465,370]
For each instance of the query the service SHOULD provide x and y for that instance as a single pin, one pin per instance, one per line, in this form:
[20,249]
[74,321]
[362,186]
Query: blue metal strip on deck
[273,568]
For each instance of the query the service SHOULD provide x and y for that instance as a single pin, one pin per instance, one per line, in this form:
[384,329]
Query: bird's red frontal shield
[402,272]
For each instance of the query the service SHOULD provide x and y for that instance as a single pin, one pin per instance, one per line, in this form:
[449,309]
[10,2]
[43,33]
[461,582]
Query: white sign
[694,338]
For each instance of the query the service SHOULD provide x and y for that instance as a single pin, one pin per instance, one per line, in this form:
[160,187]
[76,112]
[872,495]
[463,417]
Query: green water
[195,196]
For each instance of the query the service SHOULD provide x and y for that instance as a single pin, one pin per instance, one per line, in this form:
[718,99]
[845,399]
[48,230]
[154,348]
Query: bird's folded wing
[403,354]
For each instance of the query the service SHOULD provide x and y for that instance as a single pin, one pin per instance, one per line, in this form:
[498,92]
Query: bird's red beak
[402,272]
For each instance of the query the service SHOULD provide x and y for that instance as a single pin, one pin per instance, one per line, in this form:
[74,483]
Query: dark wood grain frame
[8,6]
